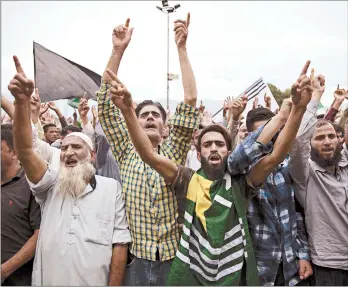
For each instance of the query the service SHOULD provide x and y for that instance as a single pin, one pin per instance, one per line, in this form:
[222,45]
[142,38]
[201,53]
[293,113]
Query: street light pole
[166,9]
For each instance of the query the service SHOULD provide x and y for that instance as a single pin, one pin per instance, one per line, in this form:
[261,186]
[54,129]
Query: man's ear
[199,156]
[93,156]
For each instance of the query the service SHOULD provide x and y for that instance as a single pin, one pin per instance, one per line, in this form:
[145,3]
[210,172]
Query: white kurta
[76,235]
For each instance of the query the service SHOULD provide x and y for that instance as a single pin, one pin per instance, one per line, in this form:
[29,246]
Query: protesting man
[20,217]
[83,235]
[319,167]
[215,247]
[151,209]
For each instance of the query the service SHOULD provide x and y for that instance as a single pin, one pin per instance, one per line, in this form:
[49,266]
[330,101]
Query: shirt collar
[19,174]
[344,160]
[91,186]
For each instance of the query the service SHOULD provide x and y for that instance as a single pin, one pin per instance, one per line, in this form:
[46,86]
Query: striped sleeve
[112,123]
[183,123]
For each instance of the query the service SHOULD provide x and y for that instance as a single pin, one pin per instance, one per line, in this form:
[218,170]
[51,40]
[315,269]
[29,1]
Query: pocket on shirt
[99,229]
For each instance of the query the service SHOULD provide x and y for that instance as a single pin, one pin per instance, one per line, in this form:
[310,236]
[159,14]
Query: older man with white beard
[84,234]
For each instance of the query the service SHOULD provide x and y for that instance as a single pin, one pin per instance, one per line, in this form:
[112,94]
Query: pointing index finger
[18,66]
[305,68]
[127,22]
[188,19]
[113,76]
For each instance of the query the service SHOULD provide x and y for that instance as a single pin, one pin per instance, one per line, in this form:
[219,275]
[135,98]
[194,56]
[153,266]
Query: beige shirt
[324,196]
[74,247]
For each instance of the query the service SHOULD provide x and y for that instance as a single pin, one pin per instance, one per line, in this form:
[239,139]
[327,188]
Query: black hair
[151,103]
[7,135]
[70,128]
[215,128]
[338,128]
[257,115]
[47,126]
[320,116]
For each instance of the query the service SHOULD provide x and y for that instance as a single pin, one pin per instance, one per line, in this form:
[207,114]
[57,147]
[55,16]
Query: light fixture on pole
[166,9]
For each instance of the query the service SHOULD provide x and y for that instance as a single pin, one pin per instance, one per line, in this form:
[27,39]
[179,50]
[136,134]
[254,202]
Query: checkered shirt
[276,226]
[151,207]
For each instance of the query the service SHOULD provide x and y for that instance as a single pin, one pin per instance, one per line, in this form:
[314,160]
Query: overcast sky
[230,45]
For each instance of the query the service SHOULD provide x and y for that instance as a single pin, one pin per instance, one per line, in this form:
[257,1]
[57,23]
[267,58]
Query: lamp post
[166,9]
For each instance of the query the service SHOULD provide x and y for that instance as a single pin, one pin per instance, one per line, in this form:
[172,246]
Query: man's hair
[151,103]
[7,135]
[320,116]
[47,126]
[70,128]
[257,115]
[215,128]
[338,128]
[323,122]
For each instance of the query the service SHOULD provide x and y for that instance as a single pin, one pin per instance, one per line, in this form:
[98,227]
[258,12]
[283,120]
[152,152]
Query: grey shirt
[324,197]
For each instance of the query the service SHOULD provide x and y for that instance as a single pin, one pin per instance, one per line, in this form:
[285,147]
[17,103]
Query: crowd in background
[127,193]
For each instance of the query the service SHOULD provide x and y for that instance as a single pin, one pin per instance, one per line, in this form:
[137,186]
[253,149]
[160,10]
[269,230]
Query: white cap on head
[82,136]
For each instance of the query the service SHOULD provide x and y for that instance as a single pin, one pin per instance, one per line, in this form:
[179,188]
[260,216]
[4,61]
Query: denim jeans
[142,272]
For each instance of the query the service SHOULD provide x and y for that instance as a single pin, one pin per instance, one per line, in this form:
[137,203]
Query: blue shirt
[277,229]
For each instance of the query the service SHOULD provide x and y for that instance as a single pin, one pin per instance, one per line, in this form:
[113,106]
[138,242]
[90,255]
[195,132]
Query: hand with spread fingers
[121,36]
[120,96]
[52,106]
[44,108]
[301,91]
[20,86]
[181,31]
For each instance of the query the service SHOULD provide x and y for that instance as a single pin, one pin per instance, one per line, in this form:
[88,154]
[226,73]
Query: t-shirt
[20,217]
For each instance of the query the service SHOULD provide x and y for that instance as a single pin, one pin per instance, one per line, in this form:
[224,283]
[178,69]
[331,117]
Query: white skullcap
[82,136]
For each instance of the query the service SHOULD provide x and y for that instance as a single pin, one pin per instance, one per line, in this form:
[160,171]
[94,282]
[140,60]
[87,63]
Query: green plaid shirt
[151,207]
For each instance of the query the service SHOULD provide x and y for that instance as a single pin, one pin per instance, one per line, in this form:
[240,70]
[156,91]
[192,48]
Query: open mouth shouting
[150,126]
[71,162]
[214,159]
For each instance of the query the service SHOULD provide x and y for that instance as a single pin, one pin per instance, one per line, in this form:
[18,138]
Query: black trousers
[324,276]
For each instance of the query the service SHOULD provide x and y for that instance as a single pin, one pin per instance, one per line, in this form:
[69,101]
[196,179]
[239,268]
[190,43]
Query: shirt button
[75,211]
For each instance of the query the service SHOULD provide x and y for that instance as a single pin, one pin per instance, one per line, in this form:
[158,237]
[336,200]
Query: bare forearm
[113,64]
[25,254]
[33,165]
[271,129]
[7,106]
[287,136]
[188,78]
[118,264]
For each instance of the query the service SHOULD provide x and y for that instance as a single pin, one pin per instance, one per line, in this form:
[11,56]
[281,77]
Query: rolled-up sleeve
[44,186]
[248,153]
[121,232]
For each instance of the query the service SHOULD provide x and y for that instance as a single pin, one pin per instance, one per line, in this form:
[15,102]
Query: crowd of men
[139,197]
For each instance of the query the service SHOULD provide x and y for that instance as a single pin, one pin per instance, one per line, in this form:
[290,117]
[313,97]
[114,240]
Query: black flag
[59,78]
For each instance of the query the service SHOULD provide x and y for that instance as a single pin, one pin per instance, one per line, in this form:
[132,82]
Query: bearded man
[215,246]
[84,234]
[319,168]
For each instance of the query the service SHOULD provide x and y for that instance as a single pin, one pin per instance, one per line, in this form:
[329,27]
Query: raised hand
[120,96]
[255,103]
[238,106]
[285,109]
[301,91]
[83,107]
[317,83]
[121,36]
[20,86]
[340,95]
[35,102]
[52,106]
[267,100]
[181,31]
[206,119]
[201,107]
[43,109]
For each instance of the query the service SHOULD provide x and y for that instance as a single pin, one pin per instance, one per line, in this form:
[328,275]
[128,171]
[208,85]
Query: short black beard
[317,158]
[214,173]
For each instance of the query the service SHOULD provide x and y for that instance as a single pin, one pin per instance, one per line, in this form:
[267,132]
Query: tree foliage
[279,95]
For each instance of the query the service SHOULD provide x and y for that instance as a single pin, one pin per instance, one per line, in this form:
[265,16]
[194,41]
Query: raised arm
[22,88]
[301,93]
[300,153]
[7,106]
[123,100]
[339,96]
[110,119]
[188,78]
[60,116]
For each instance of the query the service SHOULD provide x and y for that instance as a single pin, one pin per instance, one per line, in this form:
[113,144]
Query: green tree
[279,96]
